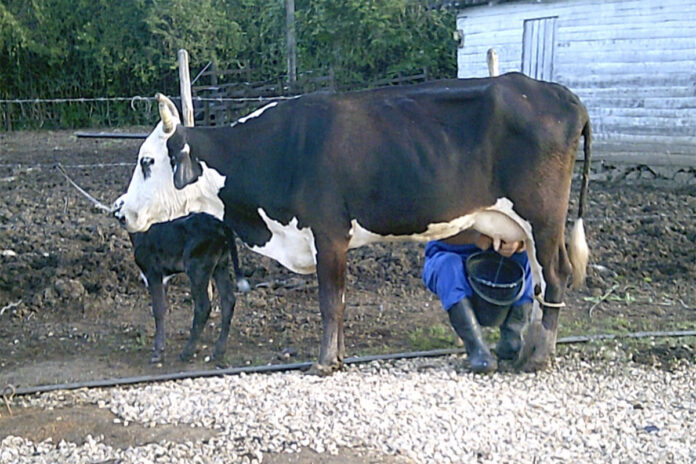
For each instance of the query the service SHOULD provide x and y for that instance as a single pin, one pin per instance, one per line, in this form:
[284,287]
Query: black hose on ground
[306,365]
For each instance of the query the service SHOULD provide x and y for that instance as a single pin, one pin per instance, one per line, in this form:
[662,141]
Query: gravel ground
[423,411]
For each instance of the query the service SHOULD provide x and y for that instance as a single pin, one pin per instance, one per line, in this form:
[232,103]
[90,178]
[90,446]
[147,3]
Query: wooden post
[492,59]
[8,116]
[290,35]
[185,87]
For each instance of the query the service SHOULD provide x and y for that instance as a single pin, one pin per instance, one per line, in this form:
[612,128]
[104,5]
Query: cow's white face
[152,196]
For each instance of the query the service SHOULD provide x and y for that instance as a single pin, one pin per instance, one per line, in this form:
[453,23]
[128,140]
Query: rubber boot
[464,322]
[511,341]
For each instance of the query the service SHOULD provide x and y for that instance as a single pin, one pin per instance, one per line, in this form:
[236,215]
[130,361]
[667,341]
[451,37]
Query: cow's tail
[578,251]
[242,283]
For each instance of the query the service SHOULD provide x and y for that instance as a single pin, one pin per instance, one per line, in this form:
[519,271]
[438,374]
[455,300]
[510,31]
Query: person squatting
[445,274]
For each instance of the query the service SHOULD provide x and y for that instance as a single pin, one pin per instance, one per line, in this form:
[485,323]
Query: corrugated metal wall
[632,62]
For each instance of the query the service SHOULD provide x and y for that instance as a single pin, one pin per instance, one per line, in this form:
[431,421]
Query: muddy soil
[73,307]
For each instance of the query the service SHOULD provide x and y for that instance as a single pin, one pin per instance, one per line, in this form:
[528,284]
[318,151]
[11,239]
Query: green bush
[104,48]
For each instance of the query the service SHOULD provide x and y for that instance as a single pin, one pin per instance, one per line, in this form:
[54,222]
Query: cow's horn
[168,113]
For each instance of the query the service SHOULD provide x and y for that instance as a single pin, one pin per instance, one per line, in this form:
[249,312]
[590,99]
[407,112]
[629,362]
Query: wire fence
[69,113]
[53,113]
[214,104]
[37,113]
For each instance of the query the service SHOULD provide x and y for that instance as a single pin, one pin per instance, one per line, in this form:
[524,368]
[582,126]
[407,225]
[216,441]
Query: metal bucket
[497,282]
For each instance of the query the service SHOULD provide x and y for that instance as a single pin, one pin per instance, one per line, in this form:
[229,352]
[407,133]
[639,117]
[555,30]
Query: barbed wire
[134,99]
[34,166]
[23,101]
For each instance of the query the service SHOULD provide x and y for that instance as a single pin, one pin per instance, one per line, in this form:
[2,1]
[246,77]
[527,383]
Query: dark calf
[201,246]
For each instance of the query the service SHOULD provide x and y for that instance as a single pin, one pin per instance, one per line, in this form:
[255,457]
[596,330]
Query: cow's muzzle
[117,213]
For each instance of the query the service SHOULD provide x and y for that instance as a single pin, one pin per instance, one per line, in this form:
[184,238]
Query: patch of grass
[438,336]
[611,324]
[617,325]
[660,353]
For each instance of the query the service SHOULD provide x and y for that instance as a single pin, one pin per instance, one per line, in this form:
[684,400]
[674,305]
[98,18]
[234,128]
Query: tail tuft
[578,253]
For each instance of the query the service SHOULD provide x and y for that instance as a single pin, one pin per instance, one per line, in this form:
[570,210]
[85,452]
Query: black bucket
[497,282]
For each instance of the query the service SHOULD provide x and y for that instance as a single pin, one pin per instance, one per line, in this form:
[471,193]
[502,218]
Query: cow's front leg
[539,348]
[331,275]
[159,309]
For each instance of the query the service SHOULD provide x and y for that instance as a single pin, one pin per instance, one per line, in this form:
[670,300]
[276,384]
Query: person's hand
[483,241]
[508,249]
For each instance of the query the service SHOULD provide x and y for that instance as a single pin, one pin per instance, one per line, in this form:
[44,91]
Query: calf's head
[168,182]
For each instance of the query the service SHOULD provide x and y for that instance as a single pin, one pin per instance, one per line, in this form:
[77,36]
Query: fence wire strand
[139,98]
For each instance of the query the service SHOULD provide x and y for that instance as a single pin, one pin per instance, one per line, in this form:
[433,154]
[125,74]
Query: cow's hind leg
[331,275]
[227,302]
[540,340]
[199,274]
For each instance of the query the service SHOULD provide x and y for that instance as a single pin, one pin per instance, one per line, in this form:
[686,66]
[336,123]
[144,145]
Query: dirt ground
[73,307]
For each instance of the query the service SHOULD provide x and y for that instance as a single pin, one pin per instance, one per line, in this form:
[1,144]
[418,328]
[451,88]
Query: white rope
[9,306]
[541,301]
[97,204]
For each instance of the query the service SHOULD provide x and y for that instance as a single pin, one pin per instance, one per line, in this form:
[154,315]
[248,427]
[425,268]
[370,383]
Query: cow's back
[394,160]
[166,247]
[399,159]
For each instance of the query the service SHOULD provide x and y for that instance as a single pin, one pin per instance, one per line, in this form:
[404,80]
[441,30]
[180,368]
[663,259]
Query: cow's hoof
[218,355]
[538,349]
[185,356]
[322,370]
[157,357]
[536,365]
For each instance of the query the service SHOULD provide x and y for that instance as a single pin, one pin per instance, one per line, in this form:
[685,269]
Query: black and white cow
[306,179]
[203,247]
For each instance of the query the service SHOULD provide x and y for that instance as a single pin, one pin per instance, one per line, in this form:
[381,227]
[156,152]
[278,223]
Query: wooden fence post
[492,59]
[8,116]
[185,87]
[290,36]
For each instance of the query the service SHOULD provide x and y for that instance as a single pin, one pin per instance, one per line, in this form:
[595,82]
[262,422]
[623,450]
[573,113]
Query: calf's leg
[227,302]
[159,309]
[199,275]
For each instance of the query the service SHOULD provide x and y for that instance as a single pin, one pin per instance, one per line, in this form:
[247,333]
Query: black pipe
[306,365]
[224,371]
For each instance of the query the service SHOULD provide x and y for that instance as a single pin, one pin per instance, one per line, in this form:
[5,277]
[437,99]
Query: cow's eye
[145,164]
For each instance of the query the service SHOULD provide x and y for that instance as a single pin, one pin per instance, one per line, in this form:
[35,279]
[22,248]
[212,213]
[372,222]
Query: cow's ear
[186,168]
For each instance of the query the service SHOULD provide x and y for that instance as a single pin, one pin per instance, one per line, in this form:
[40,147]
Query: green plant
[100,48]
[432,338]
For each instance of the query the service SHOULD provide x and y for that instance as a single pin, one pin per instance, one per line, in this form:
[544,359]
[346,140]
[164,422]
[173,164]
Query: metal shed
[633,63]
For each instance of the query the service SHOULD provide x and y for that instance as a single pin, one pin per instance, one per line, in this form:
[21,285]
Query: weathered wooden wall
[632,62]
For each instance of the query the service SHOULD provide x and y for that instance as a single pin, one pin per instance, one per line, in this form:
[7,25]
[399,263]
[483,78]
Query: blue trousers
[444,273]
